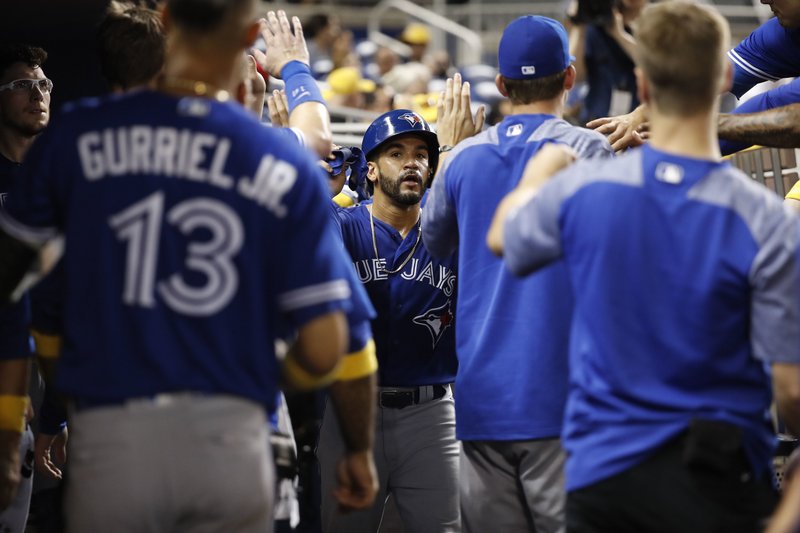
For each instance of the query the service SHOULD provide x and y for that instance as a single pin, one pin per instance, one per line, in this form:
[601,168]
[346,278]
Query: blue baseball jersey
[361,310]
[192,233]
[14,318]
[512,335]
[687,284]
[414,327]
[770,53]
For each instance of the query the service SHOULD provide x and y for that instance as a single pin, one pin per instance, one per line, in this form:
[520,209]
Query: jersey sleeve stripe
[747,67]
[314,295]
[34,237]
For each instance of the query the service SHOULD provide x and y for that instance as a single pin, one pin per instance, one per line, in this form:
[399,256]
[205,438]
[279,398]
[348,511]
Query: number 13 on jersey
[139,225]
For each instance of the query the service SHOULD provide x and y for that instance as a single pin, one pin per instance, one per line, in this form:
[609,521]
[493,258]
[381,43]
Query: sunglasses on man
[45,85]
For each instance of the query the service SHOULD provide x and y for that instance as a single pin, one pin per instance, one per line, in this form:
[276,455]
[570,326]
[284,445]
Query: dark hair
[131,44]
[33,56]
[202,15]
[522,92]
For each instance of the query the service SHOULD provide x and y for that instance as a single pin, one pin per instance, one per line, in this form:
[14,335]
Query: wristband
[300,85]
[445,148]
[12,412]
[358,364]
[47,346]
[301,379]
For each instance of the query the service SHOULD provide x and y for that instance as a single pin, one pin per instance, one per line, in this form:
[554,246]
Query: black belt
[400,397]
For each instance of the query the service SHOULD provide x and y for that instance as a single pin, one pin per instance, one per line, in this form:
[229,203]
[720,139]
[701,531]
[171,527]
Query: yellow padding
[12,412]
[794,192]
[359,364]
[299,378]
[47,345]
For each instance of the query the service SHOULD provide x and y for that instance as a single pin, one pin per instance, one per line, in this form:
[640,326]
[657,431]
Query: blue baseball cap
[533,47]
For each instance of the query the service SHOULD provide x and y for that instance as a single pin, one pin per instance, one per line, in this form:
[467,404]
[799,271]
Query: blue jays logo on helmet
[400,122]
[411,118]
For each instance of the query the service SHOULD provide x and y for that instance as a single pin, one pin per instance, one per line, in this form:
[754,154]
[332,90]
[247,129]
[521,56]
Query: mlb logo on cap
[533,47]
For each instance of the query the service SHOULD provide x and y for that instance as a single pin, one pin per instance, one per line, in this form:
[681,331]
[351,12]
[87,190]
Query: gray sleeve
[531,233]
[439,224]
[775,278]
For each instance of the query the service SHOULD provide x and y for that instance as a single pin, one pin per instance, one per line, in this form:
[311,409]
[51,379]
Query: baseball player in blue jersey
[414,295]
[512,334]
[191,202]
[24,113]
[686,276]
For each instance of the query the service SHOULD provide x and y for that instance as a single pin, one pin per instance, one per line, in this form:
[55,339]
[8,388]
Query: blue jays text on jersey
[186,223]
[414,330]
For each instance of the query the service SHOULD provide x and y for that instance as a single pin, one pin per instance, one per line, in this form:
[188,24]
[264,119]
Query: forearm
[313,120]
[786,391]
[517,197]
[355,402]
[627,42]
[14,376]
[779,127]
[14,402]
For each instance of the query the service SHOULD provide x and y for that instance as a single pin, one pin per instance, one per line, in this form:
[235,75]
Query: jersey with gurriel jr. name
[512,333]
[687,284]
[414,329]
[191,233]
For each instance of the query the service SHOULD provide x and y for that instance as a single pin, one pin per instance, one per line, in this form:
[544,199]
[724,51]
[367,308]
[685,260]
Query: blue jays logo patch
[412,118]
[437,320]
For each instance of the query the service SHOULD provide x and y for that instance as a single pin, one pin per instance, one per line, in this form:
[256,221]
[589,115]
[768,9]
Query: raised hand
[454,121]
[283,44]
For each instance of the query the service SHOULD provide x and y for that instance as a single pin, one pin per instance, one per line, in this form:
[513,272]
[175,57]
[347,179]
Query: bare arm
[778,127]
[786,390]
[548,160]
[616,29]
[315,355]
[284,46]
[354,402]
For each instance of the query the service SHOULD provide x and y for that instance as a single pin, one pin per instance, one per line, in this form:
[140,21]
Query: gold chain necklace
[195,87]
[375,243]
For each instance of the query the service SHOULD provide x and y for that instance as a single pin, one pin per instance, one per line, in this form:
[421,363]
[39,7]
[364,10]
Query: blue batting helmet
[400,122]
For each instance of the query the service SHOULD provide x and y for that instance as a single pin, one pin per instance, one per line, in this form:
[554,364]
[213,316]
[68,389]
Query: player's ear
[500,82]
[569,79]
[372,172]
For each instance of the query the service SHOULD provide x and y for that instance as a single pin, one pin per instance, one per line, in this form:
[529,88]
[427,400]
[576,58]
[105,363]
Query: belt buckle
[395,399]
